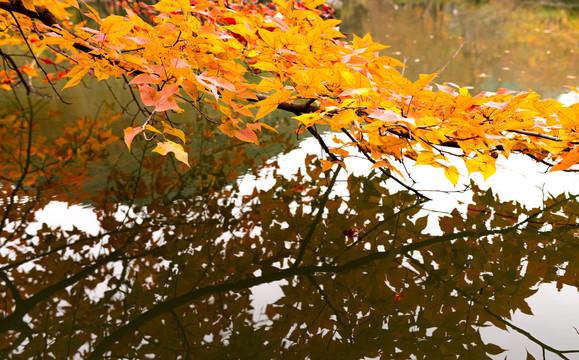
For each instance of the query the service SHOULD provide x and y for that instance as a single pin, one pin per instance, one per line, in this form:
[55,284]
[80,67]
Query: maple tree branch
[561,353]
[27,305]
[475,300]
[47,18]
[497,317]
[318,218]
[124,108]
[13,290]
[25,169]
[15,68]
[310,324]
[379,224]
[183,333]
[192,103]
[531,133]
[294,107]
[451,58]
[304,108]
[9,351]
[60,52]
[160,308]
[363,151]
[322,143]
[143,110]
[41,13]
[70,244]
[546,163]
[328,302]
[36,59]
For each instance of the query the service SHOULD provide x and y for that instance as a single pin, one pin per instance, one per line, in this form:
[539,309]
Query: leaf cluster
[246,60]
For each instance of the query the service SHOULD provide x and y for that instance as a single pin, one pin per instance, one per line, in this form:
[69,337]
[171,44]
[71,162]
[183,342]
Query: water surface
[253,254]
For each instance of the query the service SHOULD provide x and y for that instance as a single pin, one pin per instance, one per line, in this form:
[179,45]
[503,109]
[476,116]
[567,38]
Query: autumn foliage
[172,265]
[247,59]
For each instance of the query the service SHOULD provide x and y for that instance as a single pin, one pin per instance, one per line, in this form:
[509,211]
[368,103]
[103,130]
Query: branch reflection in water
[360,273]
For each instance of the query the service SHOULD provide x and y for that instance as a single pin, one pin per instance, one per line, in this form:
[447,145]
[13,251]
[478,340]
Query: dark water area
[250,254]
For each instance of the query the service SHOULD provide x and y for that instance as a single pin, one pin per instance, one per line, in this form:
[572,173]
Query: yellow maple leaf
[483,163]
[451,173]
[76,75]
[270,38]
[387,164]
[327,165]
[168,129]
[116,26]
[308,119]
[340,152]
[428,158]
[152,128]
[271,102]
[242,29]
[168,146]
[266,66]
[228,129]
[343,119]
[312,4]
[423,81]
[570,159]
[169,6]
[29,4]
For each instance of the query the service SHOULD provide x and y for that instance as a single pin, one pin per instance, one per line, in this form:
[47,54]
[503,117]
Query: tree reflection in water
[172,278]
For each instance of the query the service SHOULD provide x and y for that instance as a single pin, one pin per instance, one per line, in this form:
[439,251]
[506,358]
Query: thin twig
[318,218]
[192,103]
[36,59]
[451,58]
[539,135]
[15,68]
[322,143]
[407,187]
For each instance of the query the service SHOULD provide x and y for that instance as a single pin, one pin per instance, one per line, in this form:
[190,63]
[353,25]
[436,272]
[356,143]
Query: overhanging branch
[41,13]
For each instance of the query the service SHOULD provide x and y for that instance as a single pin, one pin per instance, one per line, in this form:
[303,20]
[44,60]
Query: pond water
[256,253]
[497,44]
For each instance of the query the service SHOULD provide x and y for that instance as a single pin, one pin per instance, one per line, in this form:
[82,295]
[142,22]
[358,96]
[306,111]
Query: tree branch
[15,68]
[316,221]
[133,325]
[41,13]
[363,151]
[561,353]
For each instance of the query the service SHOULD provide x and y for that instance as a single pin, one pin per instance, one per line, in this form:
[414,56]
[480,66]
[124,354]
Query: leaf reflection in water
[518,179]
[179,275]
[554,317]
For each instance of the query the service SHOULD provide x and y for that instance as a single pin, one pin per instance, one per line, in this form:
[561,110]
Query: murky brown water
[501,44]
